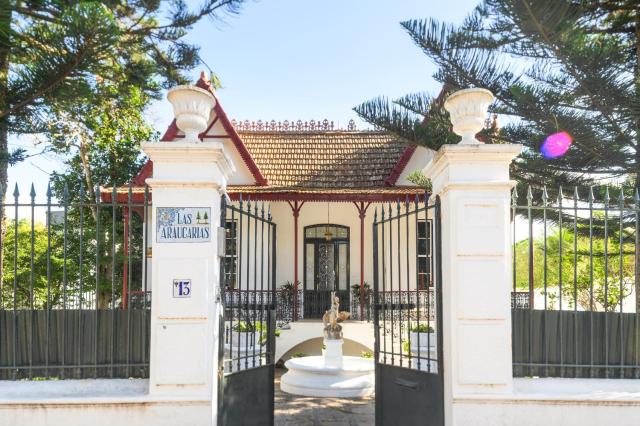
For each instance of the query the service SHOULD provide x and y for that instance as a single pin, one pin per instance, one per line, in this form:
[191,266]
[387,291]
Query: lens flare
[556,145]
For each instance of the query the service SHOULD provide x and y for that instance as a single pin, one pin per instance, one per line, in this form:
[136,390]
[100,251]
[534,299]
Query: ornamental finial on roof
[290,126]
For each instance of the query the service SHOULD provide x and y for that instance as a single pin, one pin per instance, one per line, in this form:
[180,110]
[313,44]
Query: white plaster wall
[553,402]
[549,413]
[344,214]
[340,214]
[108,414]
[100,402]
[419,160]
[257,269]
[242,175]
[302,331]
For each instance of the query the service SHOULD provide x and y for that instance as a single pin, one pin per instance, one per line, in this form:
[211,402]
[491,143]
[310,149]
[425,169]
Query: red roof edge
[145,172]
[172,132]
[400,165]
[240,146]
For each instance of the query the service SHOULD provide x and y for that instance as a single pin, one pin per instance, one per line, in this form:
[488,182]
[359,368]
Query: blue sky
[300,59]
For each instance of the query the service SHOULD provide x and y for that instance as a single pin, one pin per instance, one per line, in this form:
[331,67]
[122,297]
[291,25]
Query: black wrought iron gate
[247,346]
[407,313]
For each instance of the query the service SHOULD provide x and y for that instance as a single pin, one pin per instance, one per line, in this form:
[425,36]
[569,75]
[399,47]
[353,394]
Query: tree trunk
[5,45]
[83,153]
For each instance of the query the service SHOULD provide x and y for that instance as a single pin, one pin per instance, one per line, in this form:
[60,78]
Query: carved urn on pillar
[192,107]
[468,111]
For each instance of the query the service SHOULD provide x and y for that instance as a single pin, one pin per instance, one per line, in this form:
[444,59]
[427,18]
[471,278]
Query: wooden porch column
[295,208]
[362,213]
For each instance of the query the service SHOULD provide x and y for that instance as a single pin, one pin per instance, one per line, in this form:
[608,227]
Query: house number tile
[181,288]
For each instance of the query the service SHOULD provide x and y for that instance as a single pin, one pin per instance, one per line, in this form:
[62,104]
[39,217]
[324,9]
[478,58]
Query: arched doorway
[326,266]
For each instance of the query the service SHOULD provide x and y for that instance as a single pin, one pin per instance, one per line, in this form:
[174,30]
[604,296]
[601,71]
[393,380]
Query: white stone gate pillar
[187,180]
[472,180]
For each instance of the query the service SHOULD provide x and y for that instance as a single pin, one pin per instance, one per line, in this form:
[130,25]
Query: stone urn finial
[192,107]
[468,111]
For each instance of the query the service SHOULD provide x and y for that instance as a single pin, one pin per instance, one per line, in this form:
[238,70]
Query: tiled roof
[325,159]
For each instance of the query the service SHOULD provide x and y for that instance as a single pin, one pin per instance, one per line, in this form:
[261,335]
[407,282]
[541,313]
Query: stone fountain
[332,374]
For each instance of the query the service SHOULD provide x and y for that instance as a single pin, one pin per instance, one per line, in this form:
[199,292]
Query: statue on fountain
[331,318]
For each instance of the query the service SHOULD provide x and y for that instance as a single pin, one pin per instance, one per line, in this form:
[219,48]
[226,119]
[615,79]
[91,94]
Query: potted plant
[355,291]
[244,334]
[262,333]
[423,336]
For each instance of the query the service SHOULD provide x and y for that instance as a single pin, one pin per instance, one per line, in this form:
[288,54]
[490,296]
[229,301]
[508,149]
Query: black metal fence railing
[576,257]
[313,306]
[74,301]
[315,303]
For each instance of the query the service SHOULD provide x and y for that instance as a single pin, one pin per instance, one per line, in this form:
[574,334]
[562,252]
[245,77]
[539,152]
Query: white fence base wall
[553,402]
[101,402]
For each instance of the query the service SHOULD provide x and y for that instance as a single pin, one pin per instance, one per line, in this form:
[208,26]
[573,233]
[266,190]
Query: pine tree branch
[542,30]
[49,87]
[208,10]
[35,15]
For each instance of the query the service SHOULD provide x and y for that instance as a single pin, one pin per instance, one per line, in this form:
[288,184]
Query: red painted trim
[145,172]
[213,123]
[242,149]
[138,198]
[295,208]
[172,133]
[400,165]
[362,213]
[323,197]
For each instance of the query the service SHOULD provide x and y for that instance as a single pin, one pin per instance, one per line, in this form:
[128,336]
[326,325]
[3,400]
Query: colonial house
[321,185]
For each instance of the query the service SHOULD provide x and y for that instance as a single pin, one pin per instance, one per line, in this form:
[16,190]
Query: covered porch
[324,244]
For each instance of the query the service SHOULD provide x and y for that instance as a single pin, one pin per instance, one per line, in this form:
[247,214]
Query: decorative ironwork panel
[326,267]
[290,126]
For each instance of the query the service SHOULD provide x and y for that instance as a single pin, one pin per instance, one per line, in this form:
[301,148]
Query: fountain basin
[310,376]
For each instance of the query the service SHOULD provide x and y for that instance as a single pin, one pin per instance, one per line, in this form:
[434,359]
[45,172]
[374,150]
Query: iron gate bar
[246,371]
[407,391]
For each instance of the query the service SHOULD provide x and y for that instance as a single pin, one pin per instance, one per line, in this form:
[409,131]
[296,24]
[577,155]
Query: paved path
[295,410]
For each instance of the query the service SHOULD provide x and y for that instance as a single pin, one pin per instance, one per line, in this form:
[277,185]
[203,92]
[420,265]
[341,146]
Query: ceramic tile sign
[183,224]
[181,288]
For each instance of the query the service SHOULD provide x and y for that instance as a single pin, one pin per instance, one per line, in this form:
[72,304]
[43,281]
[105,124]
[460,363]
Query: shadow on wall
[314,347]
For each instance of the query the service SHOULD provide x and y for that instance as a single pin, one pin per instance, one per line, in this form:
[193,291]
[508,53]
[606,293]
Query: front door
[326,271]
[326,253]
[408,314]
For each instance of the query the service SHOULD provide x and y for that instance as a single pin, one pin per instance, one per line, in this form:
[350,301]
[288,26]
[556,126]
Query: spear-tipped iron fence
[74,301]
[576,258]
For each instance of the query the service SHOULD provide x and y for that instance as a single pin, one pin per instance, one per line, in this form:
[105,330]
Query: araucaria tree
[55,53]
[553,65]
[79,74]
